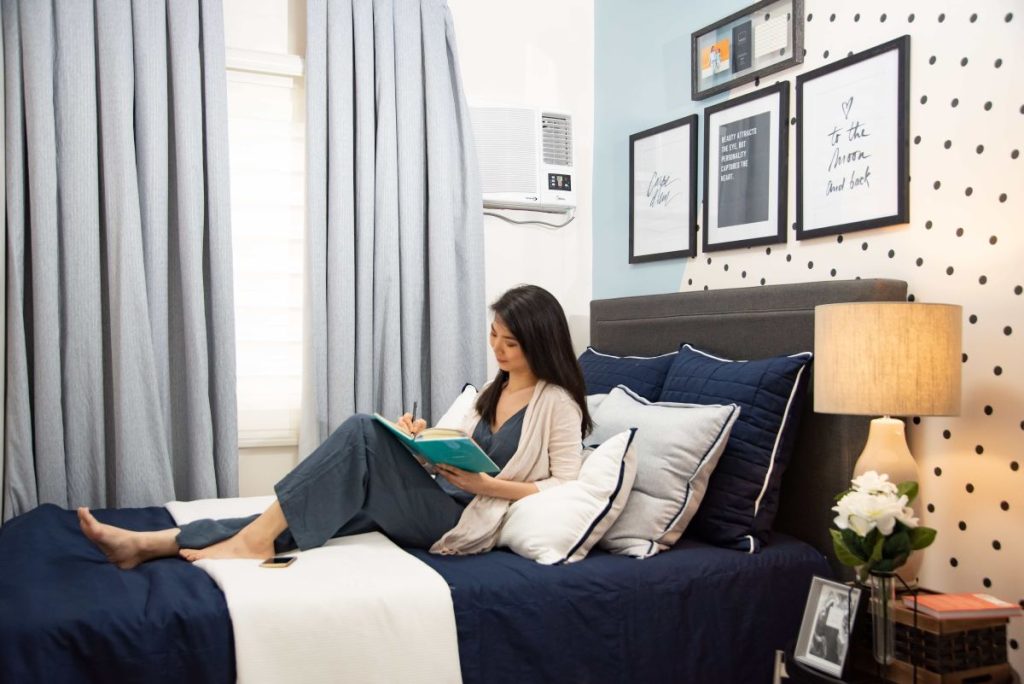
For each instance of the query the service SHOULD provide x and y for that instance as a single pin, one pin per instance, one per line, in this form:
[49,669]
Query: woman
[530,420]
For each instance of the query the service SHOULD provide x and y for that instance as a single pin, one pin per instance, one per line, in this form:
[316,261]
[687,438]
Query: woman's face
[507,350]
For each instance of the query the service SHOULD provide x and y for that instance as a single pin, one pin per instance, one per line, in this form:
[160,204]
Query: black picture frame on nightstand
[827,626]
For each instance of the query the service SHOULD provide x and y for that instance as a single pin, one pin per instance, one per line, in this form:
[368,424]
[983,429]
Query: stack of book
[950,639]
[962,606]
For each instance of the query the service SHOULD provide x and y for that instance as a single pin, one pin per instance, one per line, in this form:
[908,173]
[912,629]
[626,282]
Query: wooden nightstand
[798,673]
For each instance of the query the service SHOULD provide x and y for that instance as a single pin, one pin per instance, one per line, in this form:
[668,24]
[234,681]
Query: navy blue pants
[361,479]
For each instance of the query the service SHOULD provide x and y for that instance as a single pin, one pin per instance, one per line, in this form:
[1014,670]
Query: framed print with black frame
[852,142]
[827,625]
[746,150]
[758,40]
[663,191]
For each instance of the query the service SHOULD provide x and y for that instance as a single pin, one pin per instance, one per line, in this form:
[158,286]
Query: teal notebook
[443,445]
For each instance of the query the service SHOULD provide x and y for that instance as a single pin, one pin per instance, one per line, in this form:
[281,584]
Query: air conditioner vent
[505,143]
[557,137]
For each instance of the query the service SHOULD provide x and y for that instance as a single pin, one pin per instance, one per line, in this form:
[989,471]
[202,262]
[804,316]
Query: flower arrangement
[877,529]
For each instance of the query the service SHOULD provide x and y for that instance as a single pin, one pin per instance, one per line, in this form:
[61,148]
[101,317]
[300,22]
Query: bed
[696,612]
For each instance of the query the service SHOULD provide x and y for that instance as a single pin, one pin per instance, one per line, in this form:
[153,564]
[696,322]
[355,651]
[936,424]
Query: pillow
[455,414]
[593,401]
[677,446]
[642,374]
[743,495]
[561,524]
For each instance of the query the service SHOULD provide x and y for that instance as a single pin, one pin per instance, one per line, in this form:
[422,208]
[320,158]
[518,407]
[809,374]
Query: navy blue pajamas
[360,479]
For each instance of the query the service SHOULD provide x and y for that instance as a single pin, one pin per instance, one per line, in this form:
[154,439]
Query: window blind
[266,129]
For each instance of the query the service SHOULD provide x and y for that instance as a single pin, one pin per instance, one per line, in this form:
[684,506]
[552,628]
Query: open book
[443,445]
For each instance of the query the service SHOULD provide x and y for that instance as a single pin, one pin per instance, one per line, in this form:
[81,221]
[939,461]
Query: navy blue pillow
[743,494]
[642,374]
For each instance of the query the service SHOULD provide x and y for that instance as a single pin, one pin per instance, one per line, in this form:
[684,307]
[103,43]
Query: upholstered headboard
[750,323]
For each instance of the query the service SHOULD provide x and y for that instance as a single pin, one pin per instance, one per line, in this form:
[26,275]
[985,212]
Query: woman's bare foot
[255,540]
[245,544]
[127,548]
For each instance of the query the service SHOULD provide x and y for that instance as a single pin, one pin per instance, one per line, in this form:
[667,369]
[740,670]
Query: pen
[414,405]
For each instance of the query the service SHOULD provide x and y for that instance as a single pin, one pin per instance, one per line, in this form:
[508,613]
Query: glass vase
[883,624]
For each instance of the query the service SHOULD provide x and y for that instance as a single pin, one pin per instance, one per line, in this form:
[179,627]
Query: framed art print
[745,156]
[756,41]
[663,191]
[852,146]
[824,640]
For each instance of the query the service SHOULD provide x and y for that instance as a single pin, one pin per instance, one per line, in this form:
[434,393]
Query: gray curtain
[395,228]
[120,334]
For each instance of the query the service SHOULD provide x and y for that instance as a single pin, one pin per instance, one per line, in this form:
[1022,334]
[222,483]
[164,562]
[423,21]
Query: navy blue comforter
[67,615]
[693,614]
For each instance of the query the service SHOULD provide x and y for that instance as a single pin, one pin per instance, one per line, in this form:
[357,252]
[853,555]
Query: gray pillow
[678,447]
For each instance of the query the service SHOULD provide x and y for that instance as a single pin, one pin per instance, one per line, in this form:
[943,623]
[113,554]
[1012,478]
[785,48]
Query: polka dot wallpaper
[964,245]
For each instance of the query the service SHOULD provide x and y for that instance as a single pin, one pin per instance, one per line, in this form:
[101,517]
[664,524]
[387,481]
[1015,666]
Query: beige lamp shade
[887,358]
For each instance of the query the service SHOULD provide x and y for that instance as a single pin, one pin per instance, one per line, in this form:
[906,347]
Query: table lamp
[887,359]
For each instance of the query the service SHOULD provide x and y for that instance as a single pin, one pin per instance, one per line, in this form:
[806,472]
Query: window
[266,130]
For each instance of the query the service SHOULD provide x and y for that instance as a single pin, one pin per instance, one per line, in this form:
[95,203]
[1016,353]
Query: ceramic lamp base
[887,452]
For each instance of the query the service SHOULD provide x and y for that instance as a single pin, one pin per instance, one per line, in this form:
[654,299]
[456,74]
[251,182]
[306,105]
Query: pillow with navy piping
[678,446]
[561,524]
[743,494]
[642,374]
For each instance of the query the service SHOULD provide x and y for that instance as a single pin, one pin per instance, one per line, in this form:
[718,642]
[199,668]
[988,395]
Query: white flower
[874,483]
[864,510]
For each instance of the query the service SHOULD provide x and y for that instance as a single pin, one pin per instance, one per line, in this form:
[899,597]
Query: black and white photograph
[827,624]
[663,191]
[852,143]
[745,153]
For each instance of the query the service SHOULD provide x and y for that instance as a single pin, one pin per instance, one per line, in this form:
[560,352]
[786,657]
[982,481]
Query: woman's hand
[474,483]
[412,427]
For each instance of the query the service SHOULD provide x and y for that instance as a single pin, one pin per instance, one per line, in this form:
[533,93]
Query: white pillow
[456,413]
[593,401]
[561,524]
[678,447]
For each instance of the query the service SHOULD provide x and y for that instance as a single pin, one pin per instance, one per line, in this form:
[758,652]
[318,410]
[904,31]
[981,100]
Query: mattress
[692,613]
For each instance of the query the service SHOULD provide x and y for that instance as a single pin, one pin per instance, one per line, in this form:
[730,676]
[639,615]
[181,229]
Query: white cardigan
[550,452]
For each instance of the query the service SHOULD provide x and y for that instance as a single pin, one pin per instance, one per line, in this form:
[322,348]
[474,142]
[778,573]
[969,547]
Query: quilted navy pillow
[642,374]
[743,494]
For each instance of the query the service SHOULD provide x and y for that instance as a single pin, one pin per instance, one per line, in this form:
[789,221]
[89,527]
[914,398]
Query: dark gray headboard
[750,323]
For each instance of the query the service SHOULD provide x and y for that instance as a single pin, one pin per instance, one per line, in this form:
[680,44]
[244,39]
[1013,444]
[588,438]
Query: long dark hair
[536,319]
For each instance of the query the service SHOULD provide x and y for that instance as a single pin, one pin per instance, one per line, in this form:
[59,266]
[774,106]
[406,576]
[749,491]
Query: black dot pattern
[962,245]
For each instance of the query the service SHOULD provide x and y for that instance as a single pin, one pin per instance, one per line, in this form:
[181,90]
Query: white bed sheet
[358,609]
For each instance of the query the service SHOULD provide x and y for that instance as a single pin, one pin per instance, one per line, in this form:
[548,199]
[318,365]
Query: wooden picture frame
[761,39]
[746,152]
[853,142]
[663,191]
[827,626]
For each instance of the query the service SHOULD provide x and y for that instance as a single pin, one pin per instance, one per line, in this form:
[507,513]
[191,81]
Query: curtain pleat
[120,335]
[395,263]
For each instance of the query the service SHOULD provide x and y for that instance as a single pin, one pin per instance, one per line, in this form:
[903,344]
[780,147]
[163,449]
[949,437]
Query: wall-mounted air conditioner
[526,158]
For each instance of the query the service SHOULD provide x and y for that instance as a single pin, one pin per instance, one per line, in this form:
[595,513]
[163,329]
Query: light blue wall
[641,80]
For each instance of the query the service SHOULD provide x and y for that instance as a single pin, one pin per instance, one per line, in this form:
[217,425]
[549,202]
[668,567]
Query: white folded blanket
[358,609]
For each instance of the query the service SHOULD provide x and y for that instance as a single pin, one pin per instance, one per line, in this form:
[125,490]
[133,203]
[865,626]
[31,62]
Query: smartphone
[278,562]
